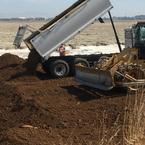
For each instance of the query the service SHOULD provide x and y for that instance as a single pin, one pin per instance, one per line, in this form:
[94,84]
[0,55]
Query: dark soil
[10,60]
[54,111]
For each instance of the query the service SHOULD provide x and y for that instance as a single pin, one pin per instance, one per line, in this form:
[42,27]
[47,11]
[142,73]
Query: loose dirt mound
[54,111]
[14,68]
[26,136]
[10,60]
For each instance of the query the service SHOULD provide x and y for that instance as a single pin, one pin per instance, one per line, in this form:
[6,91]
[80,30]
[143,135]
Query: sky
[51,8]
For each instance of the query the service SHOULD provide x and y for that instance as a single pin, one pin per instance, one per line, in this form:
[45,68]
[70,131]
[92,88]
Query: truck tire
[82,62]
[59,69]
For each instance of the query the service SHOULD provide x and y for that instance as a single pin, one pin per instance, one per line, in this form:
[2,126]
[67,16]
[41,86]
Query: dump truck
[58,31]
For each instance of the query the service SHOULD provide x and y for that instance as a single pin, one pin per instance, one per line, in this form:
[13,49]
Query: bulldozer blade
[98,79]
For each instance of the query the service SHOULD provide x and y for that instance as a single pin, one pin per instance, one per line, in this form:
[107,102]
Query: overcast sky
[50,8]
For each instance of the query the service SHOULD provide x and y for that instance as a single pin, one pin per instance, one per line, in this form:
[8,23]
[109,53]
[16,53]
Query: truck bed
[66,25]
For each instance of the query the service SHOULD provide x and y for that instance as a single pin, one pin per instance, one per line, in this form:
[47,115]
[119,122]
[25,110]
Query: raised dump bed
[66,25]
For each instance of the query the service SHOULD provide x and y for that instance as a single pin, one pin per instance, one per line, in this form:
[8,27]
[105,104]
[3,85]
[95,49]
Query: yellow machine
[124,69]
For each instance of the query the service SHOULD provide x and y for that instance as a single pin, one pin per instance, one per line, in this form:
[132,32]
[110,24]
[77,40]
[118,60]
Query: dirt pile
[33,61]
[14,68]
[25,136]
[10,60]
[54,111]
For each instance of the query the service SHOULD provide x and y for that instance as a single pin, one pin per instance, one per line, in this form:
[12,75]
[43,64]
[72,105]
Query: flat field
[96,34]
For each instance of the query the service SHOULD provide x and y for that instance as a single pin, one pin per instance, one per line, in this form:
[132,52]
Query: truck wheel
[59,69]
[82,62]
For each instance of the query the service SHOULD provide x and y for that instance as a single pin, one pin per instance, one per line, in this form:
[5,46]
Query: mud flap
[98,79]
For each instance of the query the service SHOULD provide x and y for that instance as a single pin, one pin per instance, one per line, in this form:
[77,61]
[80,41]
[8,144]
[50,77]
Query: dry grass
[109,136]
[134,118]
